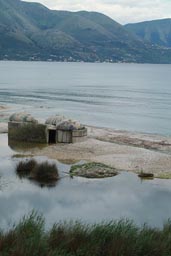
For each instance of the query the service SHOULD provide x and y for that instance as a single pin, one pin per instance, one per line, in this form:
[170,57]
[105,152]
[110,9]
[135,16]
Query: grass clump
[45,172]
[115,238]
[25,167]
[25,239]
[41,172]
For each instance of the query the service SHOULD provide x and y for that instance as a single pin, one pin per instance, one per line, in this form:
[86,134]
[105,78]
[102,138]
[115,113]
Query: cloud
[123,11]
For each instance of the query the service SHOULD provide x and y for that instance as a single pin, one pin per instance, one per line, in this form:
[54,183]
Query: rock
[146,175]
[93,170]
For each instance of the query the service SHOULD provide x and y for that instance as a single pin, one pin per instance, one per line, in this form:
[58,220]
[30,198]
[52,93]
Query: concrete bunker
[23,127]
[51,136]
[71,131]
[56,129]
[52,123]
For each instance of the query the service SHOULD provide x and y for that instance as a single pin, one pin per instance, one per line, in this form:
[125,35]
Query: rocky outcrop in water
[93,170]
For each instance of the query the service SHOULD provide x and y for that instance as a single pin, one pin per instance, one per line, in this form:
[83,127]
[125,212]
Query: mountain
[157,32]
[30,31]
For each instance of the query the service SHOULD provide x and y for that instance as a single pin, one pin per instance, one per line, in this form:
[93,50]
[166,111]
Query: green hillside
[30,31]
[156,32]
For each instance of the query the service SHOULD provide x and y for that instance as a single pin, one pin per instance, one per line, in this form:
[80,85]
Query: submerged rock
[93,170]
[146,175]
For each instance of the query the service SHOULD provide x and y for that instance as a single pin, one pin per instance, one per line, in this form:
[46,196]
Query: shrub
[25,167]
[45,172]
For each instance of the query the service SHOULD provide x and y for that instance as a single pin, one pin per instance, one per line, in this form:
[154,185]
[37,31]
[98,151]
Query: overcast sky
[123,11]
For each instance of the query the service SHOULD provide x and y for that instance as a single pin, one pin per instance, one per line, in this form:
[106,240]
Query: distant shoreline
[86,62]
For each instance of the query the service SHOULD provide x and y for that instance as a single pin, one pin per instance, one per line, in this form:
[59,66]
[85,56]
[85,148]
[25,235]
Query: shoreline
[117,149]
[123,150]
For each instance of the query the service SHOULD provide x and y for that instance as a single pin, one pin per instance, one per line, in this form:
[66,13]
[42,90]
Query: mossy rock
[93,170]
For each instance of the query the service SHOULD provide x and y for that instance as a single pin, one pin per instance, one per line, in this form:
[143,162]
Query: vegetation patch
[166,175]
[41,172]
[114,238]
[93,170]
[25,167]
[44,172]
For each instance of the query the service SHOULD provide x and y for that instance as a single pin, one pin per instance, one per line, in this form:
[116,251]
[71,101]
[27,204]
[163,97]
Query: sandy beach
[123,150]
[3,115]
[2,108]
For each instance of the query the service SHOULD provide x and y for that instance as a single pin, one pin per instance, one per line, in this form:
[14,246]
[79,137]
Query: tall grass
[25,167]
[116,238]
[43,172]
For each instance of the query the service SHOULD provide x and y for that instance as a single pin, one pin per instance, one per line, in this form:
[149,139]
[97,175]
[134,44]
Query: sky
[123,11]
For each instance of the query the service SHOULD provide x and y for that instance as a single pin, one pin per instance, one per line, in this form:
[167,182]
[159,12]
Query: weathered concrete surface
[30,132]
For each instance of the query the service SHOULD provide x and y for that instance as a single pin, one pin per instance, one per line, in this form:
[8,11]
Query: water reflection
[41,184]
[42,173]
[123,196]
[23,146]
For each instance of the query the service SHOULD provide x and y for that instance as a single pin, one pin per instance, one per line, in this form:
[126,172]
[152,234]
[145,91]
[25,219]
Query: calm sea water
[122,96]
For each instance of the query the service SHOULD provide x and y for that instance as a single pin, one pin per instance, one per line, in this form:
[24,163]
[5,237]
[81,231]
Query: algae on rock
[93,170]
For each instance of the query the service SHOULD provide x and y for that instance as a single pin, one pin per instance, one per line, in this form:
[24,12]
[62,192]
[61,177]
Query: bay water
[134,97]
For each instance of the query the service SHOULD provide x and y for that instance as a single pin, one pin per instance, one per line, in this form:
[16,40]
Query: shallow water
[122,96]
[123,196]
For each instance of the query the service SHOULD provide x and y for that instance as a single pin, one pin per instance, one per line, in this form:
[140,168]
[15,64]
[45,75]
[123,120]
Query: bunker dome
[55,120]
[52,123]
[70,125]
[71,131]
[22,117]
